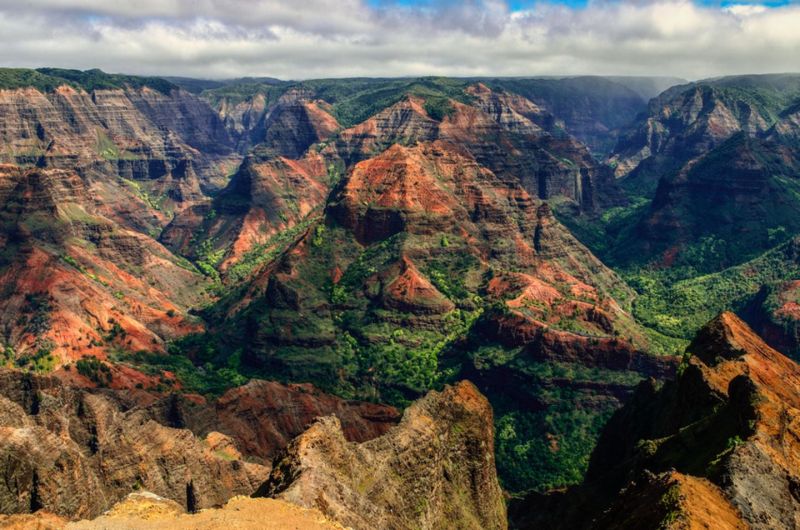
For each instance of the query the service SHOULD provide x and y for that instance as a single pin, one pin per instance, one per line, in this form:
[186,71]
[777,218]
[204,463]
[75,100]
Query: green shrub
[95,370]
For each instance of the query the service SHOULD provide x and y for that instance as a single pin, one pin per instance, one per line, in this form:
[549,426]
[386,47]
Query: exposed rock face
[267,197]
[79,280]
[518,141]
[672,501]
[592,109]
[263,416]
[728,426]
[75,453]
[294,124]
[141,134]
[775,314]
[510,135]
[437,194]
[434,470]
[688,121]
[685,122]
[719,158]
[420,250]
[405,122]
[735,193]
[278,186]
[241,115]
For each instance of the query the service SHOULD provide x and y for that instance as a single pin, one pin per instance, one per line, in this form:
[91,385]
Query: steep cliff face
[79,282]
[434,470]
[294,124]
[75,452]
[719,159]
[774,313]
[268,199]
[428,210]
[279,187]
[740,195]
[592,109]
[136,133]
[300,153]
[689,120]
[520,141]
[724,430]
[405,122]
[262,417]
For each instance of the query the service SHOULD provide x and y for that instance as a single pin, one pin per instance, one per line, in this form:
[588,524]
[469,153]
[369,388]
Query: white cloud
[321,38]
[746,10]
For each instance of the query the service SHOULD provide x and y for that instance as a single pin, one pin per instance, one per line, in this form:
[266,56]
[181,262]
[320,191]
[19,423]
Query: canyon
[403,303]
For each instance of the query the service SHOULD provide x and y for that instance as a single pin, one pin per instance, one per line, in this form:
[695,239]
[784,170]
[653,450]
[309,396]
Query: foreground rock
[74,452]
[148,511]
[434,470]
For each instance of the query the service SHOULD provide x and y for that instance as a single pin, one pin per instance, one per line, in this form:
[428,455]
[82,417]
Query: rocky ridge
[434,470]
[717,444]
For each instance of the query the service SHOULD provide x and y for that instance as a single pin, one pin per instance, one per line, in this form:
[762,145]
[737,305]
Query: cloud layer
[298,39]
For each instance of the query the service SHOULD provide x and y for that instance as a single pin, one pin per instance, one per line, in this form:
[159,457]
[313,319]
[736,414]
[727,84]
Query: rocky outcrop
[76,452]
[419,248]
[406,289]
[774,313]
[405,123]
[687,122]
[434,470]
[520,141]
[262,417]
[515,138]
[724,432]
[145,510]
[672,501]
[294,124]
[593,109]
[266,198]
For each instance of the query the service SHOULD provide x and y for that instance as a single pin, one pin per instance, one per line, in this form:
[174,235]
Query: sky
[302,39]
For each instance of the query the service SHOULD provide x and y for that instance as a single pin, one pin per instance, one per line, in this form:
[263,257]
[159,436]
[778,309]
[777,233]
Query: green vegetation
[677,305]
[42,360]
[37,311]
[208,258]
[200,363]
[7,355]
[670,502]
[545,444]
[107,149]
[154,202]
[354,100]
[237,93]
[438,108]
[49,79]
[95,370]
